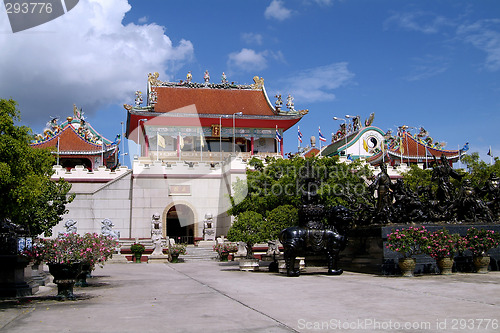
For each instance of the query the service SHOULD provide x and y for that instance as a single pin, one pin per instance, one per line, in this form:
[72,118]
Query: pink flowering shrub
[443,245]
[225,247]
[409,241]
[70,248]
[480,241]
[177,249]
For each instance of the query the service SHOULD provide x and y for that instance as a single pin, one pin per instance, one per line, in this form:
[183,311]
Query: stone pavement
[217,297]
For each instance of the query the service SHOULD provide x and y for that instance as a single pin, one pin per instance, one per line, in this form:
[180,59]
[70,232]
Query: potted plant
[249,228]
[409,242]
[64,256]
[175,250]
[479,242]
[443,246]
[68,253]
[98,249]
[137,249]
[223,249]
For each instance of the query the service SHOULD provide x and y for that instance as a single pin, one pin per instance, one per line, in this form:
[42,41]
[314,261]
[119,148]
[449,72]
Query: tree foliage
[249,228]
[478,170]
[29,198]
[280,218]
[282,182]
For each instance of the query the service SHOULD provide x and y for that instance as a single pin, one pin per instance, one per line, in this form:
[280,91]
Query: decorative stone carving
[156,235]
[208,228]
[70,226]
[107,229]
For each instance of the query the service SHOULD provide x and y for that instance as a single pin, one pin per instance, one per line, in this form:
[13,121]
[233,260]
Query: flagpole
[298,139]
[407,149]
[277,142]
[491,156]
[157,144]
[179,146]
[58,150]
[201,145]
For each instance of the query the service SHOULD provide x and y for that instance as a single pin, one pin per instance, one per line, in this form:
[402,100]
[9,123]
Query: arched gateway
[179,223]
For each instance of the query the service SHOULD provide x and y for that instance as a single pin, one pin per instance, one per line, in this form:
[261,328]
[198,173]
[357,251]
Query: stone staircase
[198,253]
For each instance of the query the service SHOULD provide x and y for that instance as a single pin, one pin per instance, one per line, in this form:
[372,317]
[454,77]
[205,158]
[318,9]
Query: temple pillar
[251,145]
[281,146]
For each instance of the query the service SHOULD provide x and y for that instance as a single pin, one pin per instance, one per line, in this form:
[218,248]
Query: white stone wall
[99,195]
[129,198]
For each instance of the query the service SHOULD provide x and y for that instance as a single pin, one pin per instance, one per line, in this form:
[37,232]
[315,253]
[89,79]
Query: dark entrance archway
[180,224]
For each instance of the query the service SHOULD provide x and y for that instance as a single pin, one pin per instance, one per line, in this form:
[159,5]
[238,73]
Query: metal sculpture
[313,235]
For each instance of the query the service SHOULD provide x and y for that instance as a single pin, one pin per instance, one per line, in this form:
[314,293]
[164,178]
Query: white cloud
[87,57]
[252,38]
[484,35]
[427,23]
[427,67]
[277,11]
[143,20]
[247,60]
[317,84]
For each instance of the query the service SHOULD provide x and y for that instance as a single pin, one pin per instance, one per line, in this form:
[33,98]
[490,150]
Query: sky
[432,64]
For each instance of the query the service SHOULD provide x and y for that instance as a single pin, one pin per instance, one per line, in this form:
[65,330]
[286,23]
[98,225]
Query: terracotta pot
[445,265]
[481,263]
[407,266]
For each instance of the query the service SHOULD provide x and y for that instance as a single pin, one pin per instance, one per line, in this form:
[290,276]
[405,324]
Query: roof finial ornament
[153,79]
[259,83]
[138,98]
[206,77]
[78,113]
[279,102]
[224,78]
[189,77]
[289,103]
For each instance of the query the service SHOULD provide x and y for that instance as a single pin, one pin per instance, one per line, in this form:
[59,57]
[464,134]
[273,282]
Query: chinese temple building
[189,121]
[195,140]
[76,142]
[355,141]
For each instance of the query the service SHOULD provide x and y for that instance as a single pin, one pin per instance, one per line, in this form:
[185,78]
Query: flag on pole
[365,145]
[489,153]
[299,134]
[278,135]
[321,137]
[160,140]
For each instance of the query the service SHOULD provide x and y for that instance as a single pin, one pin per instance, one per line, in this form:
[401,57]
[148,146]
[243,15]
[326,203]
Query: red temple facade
[190,120]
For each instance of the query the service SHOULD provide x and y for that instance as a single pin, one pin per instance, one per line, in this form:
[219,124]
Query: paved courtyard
[210,296]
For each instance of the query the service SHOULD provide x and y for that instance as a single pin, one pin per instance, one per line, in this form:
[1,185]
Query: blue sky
[434,64]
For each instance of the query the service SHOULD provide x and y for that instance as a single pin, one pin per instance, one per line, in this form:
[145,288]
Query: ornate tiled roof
[73,143]
[214,101]
[206,104]
[409,148]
